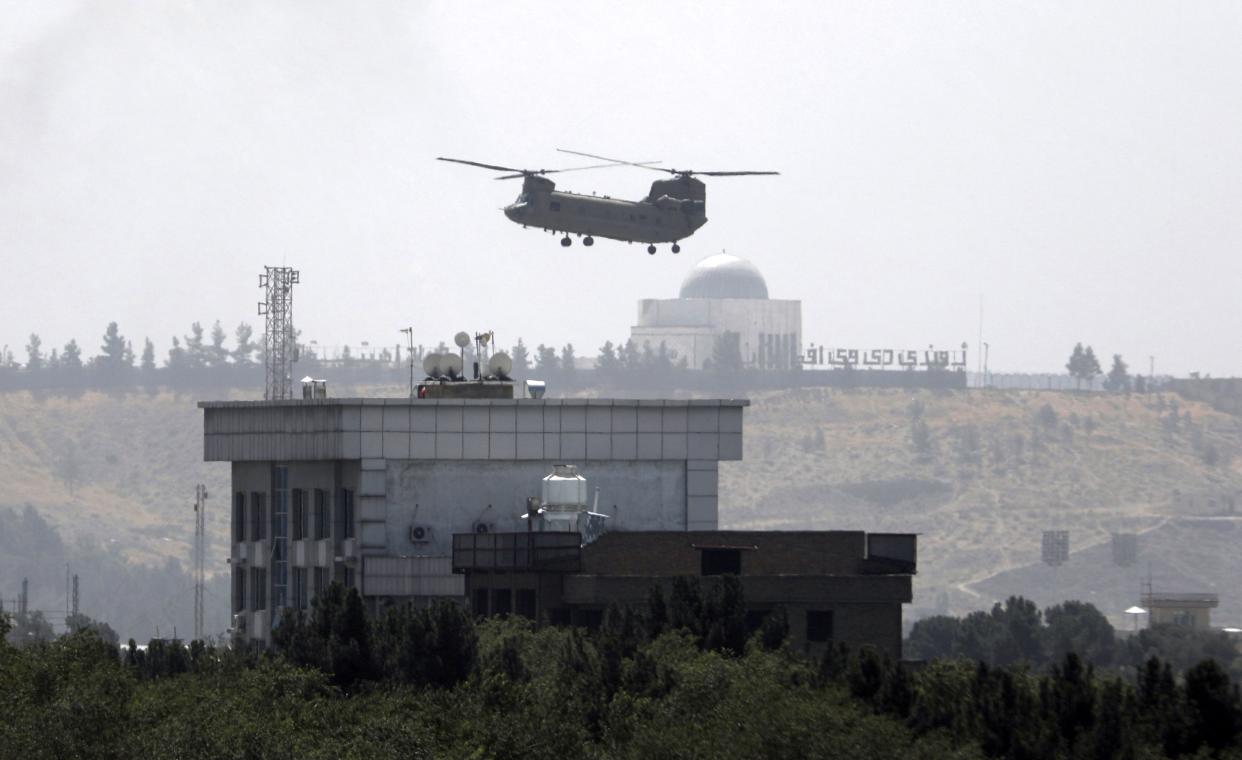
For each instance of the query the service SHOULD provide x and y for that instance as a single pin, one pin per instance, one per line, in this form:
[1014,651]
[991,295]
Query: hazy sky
[1077,164]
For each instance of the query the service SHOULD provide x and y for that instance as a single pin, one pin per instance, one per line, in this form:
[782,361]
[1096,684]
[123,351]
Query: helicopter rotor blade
[729,174]
[643,165]
[493,167]
[646,164]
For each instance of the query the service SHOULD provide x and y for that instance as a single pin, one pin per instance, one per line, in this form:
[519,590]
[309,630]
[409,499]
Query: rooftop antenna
[409,334]
[279,352]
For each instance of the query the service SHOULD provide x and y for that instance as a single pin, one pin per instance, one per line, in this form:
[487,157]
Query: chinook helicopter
[672,211]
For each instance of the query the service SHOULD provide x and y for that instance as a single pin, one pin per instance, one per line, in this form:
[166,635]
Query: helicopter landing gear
[676,248]
[588,241]
[566,242]
[651,249]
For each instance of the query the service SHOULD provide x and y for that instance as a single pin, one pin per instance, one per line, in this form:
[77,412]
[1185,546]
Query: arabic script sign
[881,358]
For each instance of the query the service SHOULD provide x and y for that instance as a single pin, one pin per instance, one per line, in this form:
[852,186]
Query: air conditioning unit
[420,533]
[481,527]
[239,553]
[349,550]
[239,622]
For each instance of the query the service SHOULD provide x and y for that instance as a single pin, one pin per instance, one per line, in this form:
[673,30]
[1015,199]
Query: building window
[722,562]
[321,513]
[321,580]
[524,603]
[502,601]
[258,516]
[480,601]
[1183,618]
[239,517]
[258,587]
[299,588]
[819,625]
[239,589]
[299,514]
[345,514]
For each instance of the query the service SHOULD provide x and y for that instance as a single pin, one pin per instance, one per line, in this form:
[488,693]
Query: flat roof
[405,401]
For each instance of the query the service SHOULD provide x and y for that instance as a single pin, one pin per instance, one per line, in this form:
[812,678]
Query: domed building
[723,310]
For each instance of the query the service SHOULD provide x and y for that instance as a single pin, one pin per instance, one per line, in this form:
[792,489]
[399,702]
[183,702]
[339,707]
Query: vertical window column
[239,517]
[280,537]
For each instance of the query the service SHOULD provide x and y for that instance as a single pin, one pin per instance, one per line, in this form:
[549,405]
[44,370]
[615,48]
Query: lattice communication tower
[280,351]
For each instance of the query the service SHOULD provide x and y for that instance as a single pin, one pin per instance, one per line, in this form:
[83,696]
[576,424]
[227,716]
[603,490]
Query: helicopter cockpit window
[523,198]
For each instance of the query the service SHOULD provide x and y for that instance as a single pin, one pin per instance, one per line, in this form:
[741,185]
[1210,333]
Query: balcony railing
[557,552]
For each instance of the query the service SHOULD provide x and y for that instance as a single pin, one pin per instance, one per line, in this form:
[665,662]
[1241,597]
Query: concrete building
[1189,610]
[835,586]
[369,492]
[723,298]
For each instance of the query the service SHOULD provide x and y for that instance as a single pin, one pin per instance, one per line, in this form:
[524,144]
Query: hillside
[978,474]
[994,470]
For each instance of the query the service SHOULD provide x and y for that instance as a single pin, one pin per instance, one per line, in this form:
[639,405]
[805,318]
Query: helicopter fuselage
[673,210]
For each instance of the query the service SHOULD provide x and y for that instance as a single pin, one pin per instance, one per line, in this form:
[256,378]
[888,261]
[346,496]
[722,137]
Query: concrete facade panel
[598,446]
[573,419]
[529,419]
[674,419]
[703,419]
[397,445]
[529,445]
[598,419]
[372,419]
[701,510]
[351,418]
[648,446]
[448,446]
[624,446]
[372,444]
[649,419]
[423,445]
[703,446]
[730,446]
[475,419]
[675,445]
[474,445]
[372,509]
[373,536]
[700,483]
[731,419]
[448,419]
[625,419]
[423,419]
[503,419]
[552,445]
[371,483]
[351,445]
[503,446]
[573,446]
[396,419]
[552,419]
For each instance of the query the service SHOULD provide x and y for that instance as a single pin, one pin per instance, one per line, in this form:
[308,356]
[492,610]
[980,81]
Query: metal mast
[200,556]
[279,348]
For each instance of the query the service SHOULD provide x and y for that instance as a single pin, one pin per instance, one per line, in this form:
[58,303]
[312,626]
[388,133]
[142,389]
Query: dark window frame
[239,517]
[820,626]
[299,514]
[720,561]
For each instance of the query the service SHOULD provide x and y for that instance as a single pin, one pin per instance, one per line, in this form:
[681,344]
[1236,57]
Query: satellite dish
[431,365]
[462,339]
[450,364]
[500,364]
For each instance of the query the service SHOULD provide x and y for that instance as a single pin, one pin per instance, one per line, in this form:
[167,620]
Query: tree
[521,359]
[71,357]
[113,348]
[567,358]
[34,356]
[176,360]
[1080,628]
[607,363]
[148,357]
[1083,365]
[629,357]
[243,352]
[217,355]
[1118,377]
[195,351]
[546,359]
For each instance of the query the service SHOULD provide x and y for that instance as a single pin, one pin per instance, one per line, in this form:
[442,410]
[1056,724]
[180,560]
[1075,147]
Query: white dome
[724,276]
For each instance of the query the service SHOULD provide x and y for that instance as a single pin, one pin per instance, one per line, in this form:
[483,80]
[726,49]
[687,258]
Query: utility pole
[985,365]
[200,556]
[75,594]
[409,334]
[24,602]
